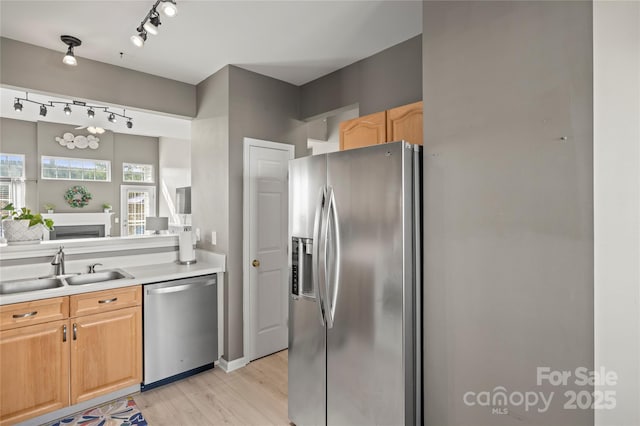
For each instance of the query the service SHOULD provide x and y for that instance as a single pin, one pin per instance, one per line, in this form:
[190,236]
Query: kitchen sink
[97,277]
[21,286]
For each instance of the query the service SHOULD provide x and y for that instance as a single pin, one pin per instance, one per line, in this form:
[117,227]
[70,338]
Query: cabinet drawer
[36,312]
[105,301]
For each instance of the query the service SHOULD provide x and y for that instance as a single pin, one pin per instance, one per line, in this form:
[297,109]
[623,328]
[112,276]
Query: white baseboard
[229,366]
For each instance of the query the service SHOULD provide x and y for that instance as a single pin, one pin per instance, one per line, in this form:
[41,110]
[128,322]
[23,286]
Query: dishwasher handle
[183,287]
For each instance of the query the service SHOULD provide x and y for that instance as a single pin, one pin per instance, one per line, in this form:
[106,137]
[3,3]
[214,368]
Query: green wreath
[77,196]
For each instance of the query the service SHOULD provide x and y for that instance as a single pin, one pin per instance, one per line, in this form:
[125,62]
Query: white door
[136,203]
[266,195]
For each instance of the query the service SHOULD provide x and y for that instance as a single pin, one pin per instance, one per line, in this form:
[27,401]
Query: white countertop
[144,268]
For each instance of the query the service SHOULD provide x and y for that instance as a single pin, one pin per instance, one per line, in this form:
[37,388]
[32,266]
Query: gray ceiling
[294,41]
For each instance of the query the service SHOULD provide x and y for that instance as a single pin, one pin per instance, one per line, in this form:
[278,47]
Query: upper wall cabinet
[405,123]
[363,131]
[401,123]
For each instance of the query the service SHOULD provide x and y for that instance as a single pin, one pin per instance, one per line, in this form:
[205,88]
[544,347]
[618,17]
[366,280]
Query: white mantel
[75,219]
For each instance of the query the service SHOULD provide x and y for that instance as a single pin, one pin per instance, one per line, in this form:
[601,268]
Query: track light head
[129,124]
[151,26]
[43,110]
[112,118]
[71,42]
[139,39]
[91,113]
[67,110]
[17,106]
[168,8]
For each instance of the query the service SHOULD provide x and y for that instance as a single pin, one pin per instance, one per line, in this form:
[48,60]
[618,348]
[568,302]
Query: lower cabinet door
[106,353]
[34,361]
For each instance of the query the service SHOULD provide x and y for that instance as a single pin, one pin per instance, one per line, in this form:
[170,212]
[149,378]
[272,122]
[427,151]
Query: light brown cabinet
[34,368]
[106,348]
[62,351]
[106,353]
[363,131]
[404,123]
[401,123]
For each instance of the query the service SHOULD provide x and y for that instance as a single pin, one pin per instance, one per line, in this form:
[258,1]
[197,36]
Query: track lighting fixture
[71,42]
[151,22]
[139,39]
[91,110]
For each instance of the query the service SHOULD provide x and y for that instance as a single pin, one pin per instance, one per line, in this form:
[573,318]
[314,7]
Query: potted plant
[49,207]
[106,207]
[23,225]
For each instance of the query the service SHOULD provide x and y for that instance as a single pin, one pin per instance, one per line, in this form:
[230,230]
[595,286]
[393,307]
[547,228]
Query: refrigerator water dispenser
[301,258]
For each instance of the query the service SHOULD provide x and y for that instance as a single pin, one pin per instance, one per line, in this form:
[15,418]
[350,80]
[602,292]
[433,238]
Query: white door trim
[246,311]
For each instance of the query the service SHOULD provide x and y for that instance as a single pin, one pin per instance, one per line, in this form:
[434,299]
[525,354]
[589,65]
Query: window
[6,194]
[12,165]
[138,173]
[12,187]
[76,169]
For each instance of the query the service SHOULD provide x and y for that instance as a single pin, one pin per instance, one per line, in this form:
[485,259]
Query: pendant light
[71,42]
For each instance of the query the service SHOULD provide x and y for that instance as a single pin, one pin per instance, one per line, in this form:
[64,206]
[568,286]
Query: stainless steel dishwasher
[180,329]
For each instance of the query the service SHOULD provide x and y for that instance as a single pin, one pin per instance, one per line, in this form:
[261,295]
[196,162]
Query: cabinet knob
[255,263]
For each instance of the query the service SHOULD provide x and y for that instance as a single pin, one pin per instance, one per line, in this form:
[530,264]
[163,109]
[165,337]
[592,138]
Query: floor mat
[121,412]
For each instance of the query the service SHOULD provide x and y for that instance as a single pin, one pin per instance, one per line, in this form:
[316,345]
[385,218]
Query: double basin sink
[35,284]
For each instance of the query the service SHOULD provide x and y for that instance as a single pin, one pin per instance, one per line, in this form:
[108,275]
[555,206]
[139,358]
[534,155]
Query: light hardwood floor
[255,395]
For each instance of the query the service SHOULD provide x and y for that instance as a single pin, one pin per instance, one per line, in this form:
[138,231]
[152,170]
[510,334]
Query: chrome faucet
[92,267]
[58,262]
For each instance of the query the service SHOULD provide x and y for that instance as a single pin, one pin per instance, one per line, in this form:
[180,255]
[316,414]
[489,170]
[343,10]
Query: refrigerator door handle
[316,252]
[330,299]
[335,276]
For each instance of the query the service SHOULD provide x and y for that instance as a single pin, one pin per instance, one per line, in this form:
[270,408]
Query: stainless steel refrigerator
[354,298]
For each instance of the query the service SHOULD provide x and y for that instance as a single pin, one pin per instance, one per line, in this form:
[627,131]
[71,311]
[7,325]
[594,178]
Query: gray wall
[37,139]
[210,172]
[174,172]
[233,104]
[260,107]
[132,149]
[36,68]
[385,80]
[508,283]
[52,191]
[19,137]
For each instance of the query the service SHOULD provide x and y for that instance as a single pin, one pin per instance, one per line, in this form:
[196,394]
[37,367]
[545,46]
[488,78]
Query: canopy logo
[499,399]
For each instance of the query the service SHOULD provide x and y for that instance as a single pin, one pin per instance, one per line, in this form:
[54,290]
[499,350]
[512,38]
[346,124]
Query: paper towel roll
[187,252]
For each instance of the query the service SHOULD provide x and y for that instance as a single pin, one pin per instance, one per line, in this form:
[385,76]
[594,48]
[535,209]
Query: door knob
[255,263]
